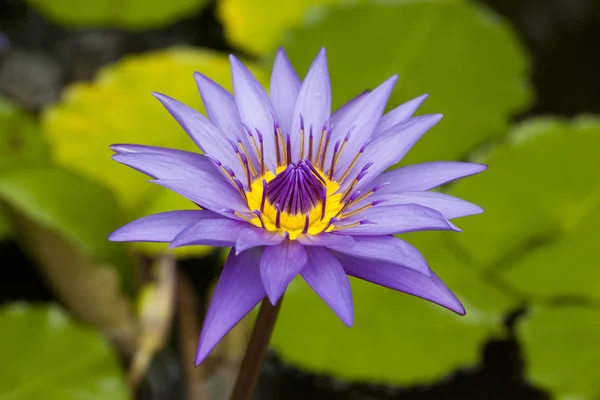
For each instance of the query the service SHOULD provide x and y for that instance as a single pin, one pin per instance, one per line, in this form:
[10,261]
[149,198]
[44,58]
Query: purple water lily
[296,190]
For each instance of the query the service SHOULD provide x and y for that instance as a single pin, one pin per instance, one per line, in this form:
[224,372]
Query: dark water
[562,37]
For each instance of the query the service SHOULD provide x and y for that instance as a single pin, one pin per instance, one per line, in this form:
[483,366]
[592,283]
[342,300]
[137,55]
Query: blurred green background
[518,83]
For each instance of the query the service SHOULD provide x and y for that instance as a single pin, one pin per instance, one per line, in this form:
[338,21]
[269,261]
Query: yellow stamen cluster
[294,225]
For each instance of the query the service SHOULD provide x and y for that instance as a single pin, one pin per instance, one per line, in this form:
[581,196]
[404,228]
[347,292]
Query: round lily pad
[561,346]
[541,198]
[258,26]
[133,14]
[466,58]
[47,355]
[118,107]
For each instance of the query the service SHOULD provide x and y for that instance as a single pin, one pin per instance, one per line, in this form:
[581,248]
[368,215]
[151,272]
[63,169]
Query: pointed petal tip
[115,147]
[237,67]
[234,61]
[453,227]
[321,58]
[393,79]
[272,296]
[160,96]
[199,77]
[281,52]
[114,237]
[348,320]
[201,354]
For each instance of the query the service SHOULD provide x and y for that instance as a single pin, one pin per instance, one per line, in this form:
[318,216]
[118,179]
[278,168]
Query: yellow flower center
[318,219]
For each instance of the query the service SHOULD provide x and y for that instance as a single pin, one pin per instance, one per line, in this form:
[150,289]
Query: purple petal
[254,237]
[238,291]
[206,136]
[403,279]
[279,265]
[313,106]
[210,232]
[285,86]
[449,206]
[325,275]
[344,115]
[389,220]
[425,176]
[387,249]
[398,115]
[161,227]
[392,146]
[209,192]
[341,120]
[254,107]
[365,122]
[187,156]
[222,111]
[326,239]
[167,166]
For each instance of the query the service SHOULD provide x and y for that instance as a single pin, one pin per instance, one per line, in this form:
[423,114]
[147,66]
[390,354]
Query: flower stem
[255,353]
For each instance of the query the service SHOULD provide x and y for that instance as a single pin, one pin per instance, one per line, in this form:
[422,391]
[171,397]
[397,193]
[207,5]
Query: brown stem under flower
[255,353]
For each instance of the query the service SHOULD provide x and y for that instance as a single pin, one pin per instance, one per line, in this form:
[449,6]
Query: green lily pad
[21,140]
[21,143]
[49,356]
[77,209]
[389,343]
[392,331]
[81,127]
[541,198]
[562,351]
[5,226]
[468,60]
[133,14]
[258,26]
[482,297]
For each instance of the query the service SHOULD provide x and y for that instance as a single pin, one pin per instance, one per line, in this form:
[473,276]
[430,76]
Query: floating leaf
[21,143]
[479,293]
[392,336]
[63,220]
[465,57]
[119,108]
[562,351]
[542,202]
[133,14]
[259,25]
[5,226]
[78,209]
[48,356]
[21,140]
[392,331]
